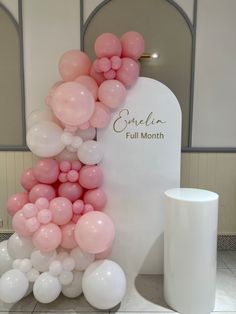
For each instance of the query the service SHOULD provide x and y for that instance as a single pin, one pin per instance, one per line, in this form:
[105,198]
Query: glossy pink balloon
[42,203]
[16,202]
[68,239]
[128,72]
[101,116]
[94,232]
[73,104]
[28,179]
[89,83]
[98,77]
[41,190]
[46,170]
[112,93]
[29,210]
[132,45]
[78,207]
[61,209]
[72,191]
[107,45]
[91,177]
[72,176]
[52,92]
[47,237]
[65,166]
[97,198]
[74,63]
[19,224]
[44,216]
[32,224]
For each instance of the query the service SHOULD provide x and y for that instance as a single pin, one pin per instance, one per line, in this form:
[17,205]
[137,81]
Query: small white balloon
[55,268]
[32,275]
[25,265]
[88,134]
[68,264]
[67,138]
[16,263]
[46,288]
[38,115]
[19,247]
[41,260]
[66,277]
[82,259]
[71,149]
[13,286]
[5,258]
[74,289]
[77,142]
[62,255]
[90,152]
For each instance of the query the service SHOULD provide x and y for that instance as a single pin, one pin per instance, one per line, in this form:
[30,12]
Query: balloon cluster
[62,236]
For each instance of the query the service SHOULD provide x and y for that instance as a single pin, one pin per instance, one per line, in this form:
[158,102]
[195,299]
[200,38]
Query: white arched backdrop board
[142,159]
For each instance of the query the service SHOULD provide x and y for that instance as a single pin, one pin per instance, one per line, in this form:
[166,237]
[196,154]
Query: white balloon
[68,264]
[67,138]
[74,289]
[41,260]
[90,152]
[62,254]
[19,247]
[13,286]
[16,263]
[104,284]
[55,268]
[66,277]
[44,139]
[77,142]
[32,275]
[82,259]
[25,265]
[46,288]
[38,115]
[88,134]
[5,258]
[66,155]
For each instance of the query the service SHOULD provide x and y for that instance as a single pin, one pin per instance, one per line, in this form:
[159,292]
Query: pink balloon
[46,170]
[47,237]
[75,218]
[110,75]
[107,45]
[42,203]
[29,210]
[72,103]
[68,239]
[78,207]
[76,165]
[84,126]
[72,191]
[128,72]
[52,92]
[104,64]
[74,63]
[98,77]
[115,62]
[112,93]
[65,166]
[32,224]
[61,209]
[41,190]
[104,254]
[28,179]
[44,216]
[101,116]
[62,177]
[89,83]
[66,155]
[73,176]
[91,177]
[94,232]
[97,198]
[19,224]
[16,202]
[132,45]
[88,208]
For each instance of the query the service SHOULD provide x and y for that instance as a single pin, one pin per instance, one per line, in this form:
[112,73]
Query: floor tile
[229,258]
[25,305]
[220,262]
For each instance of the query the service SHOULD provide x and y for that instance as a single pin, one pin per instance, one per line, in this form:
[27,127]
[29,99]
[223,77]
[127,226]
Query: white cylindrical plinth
[191,217]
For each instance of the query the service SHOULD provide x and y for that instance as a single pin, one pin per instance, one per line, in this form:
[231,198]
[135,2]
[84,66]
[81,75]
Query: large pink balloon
[72,191]
[101,116]
[19,224]
[132,45]
[16,202]
[47,237]
[89,83]
[73,104]
[46,170]
[107,45]
[91,177]
[128,72]
[94,232]
[68,238]
[112,93]
[61,209]
[97,198]
[74,63]
[41,190]
[28,179]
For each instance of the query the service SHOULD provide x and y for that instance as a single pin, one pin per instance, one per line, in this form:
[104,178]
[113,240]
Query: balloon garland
[62,237]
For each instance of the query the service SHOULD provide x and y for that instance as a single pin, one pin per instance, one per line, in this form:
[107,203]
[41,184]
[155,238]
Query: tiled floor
[145,297]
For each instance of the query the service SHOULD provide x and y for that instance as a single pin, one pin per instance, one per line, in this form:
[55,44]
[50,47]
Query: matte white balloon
[5,258]
[41,260]
[90,152]
[46,288]
[66,277]
[104,284]
[55,268]
[68,264]
[38,115]
[19,247]
[25,265]
[32,275]
[88,134]
[16,263]
[74,289]
[82,259]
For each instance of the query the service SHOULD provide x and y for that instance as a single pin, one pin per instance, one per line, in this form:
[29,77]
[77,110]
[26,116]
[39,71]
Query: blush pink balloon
[28,179]
[107,45]
[104,254]
[132,45]
[66,155]
[91,177]
[84,126]
[52,92]
[104,64]
[78,207]
[72,191]
[16,202]
[46,170]
[112,93]
[44,216]
[89,83]
[32,224]
[76,165]
[110,75]
[73,176]
[61,209]
[97,198]
[88,208]
[115,62]
[73,104]
[47,237]
[42,203]
[41,190]
[19,224]
[29,210]
[98,77]
[75,218]
[94,232]
[128,72]
[101,116]
[68,239]
[62,177]
[74,63]
[65,166]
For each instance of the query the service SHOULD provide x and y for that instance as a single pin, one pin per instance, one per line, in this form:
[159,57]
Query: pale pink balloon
[41,190]
[29,210]
[73,176]
[89,83]
[104,64]
[16,202]
[91,177]
[62,177]
[94,232]
[132,45]
[128,72]
[78,207]
[73,104]
[46,170]
[65,166]
[97,198]
[110,75]
[68,239]
[74,63]
[44,216]
[101,116]
[104,254]
[42,203]
[72,191]
[76,165]
[107,45]
[47,237]
[61,209]
[28,179]
[115,62]
[112,93]
[32,224]
[88,208]
[84,126]
[66,155]
[98,77]
[52,92]
[19,224]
